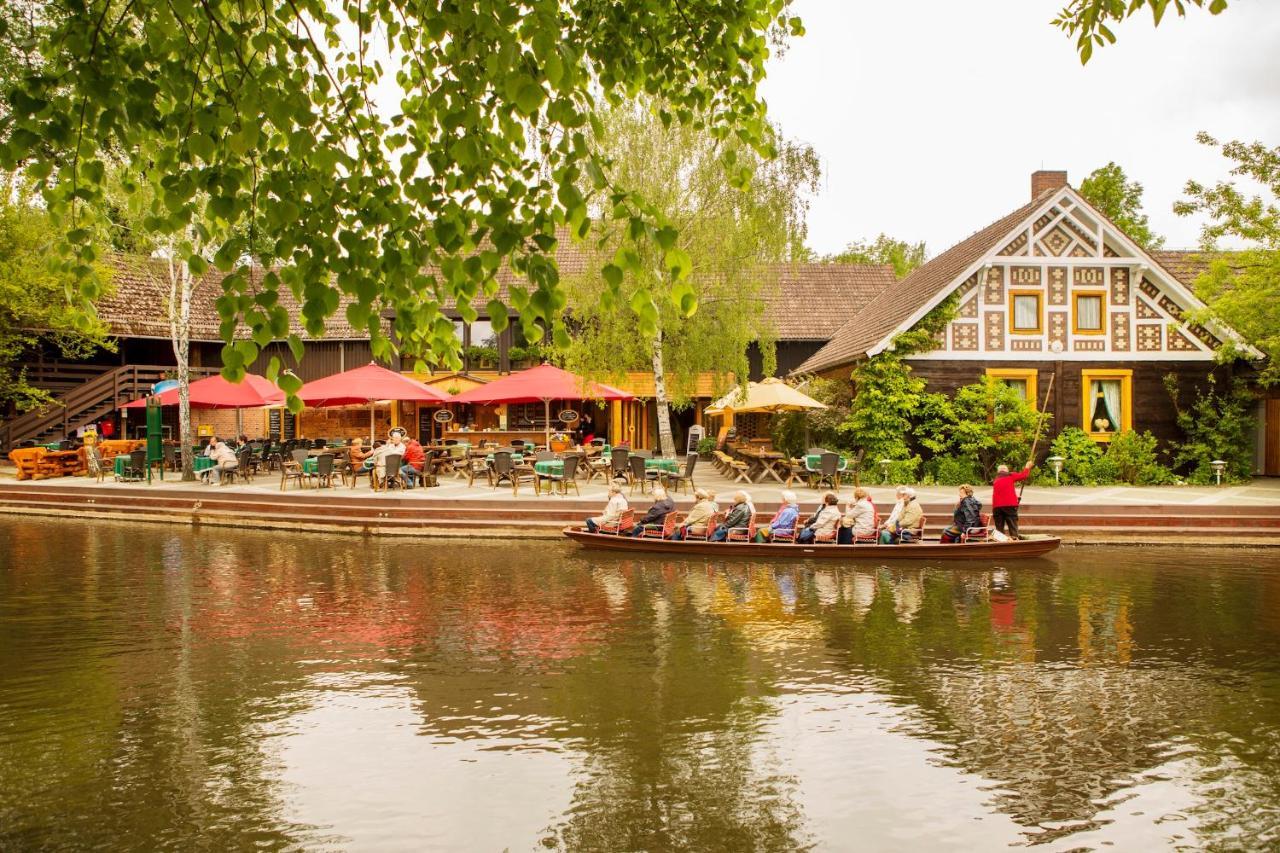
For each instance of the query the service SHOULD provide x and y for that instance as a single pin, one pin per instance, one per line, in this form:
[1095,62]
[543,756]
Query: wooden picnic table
[764,463]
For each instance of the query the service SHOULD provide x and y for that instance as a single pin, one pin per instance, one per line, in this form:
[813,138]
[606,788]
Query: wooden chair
[568,478]
[712,523]
[685,479]
[745,534]
[291,469]
[624,524]
[978,534]
[666,529]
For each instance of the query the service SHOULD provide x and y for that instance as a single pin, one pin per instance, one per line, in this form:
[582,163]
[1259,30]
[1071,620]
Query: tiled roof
[895,305]
[1186,265]
[796,303]
[812,301]
[136,308]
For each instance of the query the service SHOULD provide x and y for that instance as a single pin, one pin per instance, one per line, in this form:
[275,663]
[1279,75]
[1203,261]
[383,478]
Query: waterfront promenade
[1246,514]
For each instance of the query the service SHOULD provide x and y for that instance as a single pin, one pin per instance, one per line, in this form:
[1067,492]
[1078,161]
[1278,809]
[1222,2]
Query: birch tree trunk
[666,442]
[180,289]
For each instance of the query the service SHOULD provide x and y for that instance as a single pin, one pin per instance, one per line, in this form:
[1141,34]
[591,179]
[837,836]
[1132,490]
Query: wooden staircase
[89,396]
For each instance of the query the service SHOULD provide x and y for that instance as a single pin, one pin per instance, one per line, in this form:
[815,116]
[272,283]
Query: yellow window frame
[1028,375]
[1102,312]
[1013,314]
[1087,378]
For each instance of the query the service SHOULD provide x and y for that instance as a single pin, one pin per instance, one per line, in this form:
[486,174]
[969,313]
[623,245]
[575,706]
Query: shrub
[706,445]
[794,432]
[987,422]
[1132,457]
[953,471]
[879,421]
[1080,455]
[1218,425]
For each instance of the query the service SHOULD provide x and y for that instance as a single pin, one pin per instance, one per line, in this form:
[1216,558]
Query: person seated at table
[657,514]
[395,446]
[699,516]
[859,520]
[739,516]
[909,513]
[358,453]
[613,510]
[966,516]
[209,448]
[415,459]
[224,459]
[823,522]
[784,520]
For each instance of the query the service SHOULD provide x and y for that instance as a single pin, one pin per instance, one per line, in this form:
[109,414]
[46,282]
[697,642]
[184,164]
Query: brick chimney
[1043,180]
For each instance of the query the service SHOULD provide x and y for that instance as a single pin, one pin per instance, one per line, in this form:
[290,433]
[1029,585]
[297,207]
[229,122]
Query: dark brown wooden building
[1054,289]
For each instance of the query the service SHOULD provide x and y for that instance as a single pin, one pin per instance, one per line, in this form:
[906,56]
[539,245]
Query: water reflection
[282,690]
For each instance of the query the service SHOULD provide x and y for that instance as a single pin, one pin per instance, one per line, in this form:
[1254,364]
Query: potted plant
[706,446]
[560,442]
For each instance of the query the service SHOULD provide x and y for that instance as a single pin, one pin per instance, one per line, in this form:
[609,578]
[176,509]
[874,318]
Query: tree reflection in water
[147,672]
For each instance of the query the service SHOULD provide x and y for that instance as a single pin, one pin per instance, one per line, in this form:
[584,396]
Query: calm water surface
[167,689]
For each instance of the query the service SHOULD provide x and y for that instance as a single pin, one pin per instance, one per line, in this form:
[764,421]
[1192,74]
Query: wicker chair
[685,479]
[135,470]
[639,475]
[568,478]
[291,469]
[324,470]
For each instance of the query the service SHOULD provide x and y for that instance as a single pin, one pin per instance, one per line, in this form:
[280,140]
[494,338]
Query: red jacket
[414,455]
[1003,492]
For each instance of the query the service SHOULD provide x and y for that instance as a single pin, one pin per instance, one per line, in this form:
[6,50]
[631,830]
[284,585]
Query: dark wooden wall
[791,354]
[1152,408]
[321,358]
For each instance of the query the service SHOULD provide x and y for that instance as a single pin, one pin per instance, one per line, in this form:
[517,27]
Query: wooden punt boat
[928,550]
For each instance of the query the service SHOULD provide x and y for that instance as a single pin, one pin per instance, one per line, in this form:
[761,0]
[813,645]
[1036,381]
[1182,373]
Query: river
[168,688]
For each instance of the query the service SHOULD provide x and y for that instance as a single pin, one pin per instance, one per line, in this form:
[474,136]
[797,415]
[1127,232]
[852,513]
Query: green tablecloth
[813,462]
[311,465]
[550,466]
[517,458]
[53,445]
[201,463]
[671,466]
[121,461]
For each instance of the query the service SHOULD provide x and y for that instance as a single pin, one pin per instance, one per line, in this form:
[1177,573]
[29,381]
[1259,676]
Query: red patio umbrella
[546,383]
[214,392]
[368,384]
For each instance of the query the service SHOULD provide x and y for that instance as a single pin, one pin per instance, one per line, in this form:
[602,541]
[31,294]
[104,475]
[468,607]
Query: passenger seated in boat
[739,516]
[909,513]
[783,521]
[613,510]
[967,515]
[899,497]
[822,524]
[657,513]
[699,516]
[859,522]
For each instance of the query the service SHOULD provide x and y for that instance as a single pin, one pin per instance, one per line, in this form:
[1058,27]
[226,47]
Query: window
[1022,381]
[1088,315]
[1025,316]
[1106,407]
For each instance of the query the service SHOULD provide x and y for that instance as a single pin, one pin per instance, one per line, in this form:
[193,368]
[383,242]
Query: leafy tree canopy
[1120,199]
[1087,20]
[730,235]
[1242,288]
[265,113]
[904,257]
[33,307]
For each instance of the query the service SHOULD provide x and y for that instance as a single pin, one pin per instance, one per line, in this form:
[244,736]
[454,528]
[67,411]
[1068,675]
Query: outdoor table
[201,463]
[669,466]
[311,465]
[813,461]
[765,463]
[53,445]
[516,458]
[549,466]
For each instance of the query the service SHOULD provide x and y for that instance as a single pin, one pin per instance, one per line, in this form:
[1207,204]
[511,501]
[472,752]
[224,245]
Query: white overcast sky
[930,115]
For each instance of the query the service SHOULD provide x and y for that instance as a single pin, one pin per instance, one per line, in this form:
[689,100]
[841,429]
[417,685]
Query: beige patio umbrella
[767,395]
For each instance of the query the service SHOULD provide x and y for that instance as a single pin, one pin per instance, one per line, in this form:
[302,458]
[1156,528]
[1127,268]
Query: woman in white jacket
[859,518]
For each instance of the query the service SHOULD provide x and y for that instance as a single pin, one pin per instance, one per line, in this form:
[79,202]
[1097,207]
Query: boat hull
[927,551]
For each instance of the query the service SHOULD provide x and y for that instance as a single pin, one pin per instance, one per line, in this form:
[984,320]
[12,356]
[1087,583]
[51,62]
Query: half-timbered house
[1054,289]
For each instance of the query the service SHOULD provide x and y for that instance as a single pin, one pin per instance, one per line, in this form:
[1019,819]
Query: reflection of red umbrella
[546,383]
[252,392]
[368,384]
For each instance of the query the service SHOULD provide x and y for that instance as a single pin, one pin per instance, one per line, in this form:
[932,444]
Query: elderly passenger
[822,524]
[966,517]
[859,520]
[699,516]
[656,516]
[784,520]
[613,511]
[739,516]
[909,515]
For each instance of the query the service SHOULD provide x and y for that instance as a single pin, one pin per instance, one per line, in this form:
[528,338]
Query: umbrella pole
[239,423]
[546,423]
[372,404]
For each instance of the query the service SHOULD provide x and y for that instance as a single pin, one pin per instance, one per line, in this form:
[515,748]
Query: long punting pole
[1039,426]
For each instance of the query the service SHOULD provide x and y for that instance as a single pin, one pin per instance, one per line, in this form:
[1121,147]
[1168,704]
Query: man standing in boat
[1004,498]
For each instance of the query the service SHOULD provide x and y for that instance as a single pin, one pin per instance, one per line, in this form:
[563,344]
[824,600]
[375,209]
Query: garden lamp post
[884,466]
[1218,467]
[1056,462]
